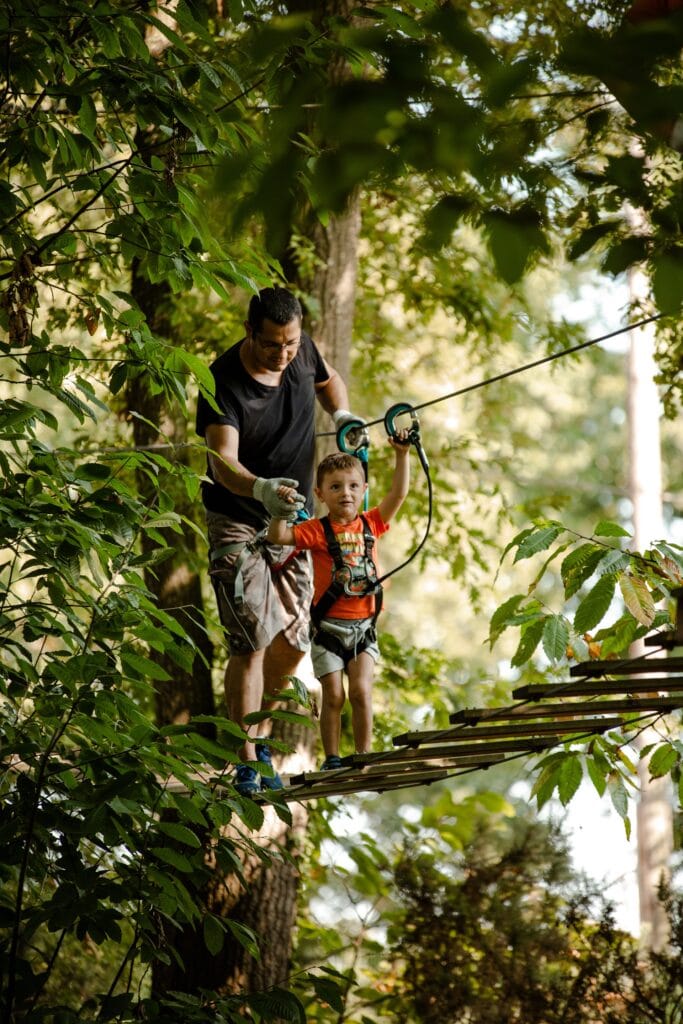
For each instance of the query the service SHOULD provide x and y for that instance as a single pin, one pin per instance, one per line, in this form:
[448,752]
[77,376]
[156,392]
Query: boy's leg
[330,713]
[361,671]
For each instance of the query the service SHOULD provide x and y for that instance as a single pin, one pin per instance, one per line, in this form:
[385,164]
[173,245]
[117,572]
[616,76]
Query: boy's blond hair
[338,460]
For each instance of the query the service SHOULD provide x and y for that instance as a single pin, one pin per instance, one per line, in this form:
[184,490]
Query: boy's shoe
[331,762]
[247,780]
[268,781]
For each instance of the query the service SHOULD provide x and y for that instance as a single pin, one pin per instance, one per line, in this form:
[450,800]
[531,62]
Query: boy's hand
[267,491]
[401,441]
[293,498]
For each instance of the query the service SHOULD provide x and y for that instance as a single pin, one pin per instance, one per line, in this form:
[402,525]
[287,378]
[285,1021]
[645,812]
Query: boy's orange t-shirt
[310,536]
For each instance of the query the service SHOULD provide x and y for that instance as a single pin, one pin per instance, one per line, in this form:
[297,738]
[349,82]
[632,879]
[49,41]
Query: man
[263,438]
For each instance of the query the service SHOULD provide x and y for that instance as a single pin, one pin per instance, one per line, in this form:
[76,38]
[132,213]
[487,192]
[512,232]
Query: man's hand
[266,491]
[357,437]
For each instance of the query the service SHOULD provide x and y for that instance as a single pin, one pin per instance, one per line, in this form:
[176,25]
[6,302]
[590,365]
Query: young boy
[344,638]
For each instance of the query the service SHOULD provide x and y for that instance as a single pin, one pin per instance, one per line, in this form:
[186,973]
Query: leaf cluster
[593,571]
[112,826]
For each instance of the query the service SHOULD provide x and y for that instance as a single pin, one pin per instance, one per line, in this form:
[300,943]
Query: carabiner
[360,451]
[402,408]
[345,430]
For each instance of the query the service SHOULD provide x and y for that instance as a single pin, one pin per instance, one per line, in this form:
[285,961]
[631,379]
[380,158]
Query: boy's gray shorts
[256,600]
[350,632]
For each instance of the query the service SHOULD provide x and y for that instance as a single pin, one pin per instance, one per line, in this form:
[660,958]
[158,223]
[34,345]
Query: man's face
[273,346]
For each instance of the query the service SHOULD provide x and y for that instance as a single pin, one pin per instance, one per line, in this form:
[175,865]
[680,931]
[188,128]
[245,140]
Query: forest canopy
[160,164]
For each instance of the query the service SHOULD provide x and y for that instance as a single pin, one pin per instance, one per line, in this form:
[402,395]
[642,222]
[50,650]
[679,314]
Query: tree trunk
[268,905]
[177,586]
[654,812]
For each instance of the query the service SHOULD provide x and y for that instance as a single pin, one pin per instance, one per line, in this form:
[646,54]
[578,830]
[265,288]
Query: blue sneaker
[331,762]
[247,780]
[268,781]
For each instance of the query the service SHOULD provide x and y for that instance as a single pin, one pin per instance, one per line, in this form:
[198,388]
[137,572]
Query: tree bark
[654,815]
[176,585]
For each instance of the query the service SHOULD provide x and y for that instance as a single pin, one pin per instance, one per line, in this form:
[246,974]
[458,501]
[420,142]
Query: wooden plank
[583,688]
[470,716]
[358,784]
[407,761]
[449,750]
[479,732]
[627,667]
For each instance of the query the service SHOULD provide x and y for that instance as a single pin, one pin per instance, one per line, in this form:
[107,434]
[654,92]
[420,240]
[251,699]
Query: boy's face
[342,492]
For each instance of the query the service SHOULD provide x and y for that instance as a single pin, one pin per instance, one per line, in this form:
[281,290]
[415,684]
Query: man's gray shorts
[257,600]
[349,632]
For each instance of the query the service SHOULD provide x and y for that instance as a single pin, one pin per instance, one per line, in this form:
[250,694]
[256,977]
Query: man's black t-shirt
[276,426]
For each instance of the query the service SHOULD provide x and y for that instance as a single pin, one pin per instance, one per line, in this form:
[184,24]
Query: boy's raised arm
[391,503]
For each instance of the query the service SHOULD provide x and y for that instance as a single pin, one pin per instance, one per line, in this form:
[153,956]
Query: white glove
[356,437]
[265,491]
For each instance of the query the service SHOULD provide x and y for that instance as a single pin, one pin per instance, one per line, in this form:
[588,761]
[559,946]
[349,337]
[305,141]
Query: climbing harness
[362,580]
[257,545]
[347,581]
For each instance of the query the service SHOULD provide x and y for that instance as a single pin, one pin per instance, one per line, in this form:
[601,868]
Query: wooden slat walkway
[545,716]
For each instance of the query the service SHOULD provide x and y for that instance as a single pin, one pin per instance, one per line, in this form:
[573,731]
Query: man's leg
[361,671]
[244,692]
[281,659]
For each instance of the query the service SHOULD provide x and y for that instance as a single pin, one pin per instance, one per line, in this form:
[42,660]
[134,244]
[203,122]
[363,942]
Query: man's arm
[222,442]
[391,503]
[332,393]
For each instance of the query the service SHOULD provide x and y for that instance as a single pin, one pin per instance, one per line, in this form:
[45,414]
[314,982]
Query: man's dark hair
[275,304]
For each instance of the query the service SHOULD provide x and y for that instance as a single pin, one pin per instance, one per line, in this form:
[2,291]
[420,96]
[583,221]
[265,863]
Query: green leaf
[180,833]
[142,667]
[87,118]
[530,639]
[571,774]
[595,604]
[214,934]
[580,565]
[500,620]
[605,528]
[597,774]
[667,281]
[330,991]
[555,637]
[546,783]
[537,541]
[245,936]
[590,237]
[514,239]
[619,796]
[663,760]
[172,857]
[637,599]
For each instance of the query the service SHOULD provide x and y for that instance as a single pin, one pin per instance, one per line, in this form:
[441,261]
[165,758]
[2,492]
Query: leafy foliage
[115,117]
[590,573]
[509,934]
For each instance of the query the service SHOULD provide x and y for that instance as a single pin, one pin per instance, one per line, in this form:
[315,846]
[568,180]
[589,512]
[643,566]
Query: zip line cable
[519,369]
[423,405]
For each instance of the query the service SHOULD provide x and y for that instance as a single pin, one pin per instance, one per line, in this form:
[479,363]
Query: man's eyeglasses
[273,347]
